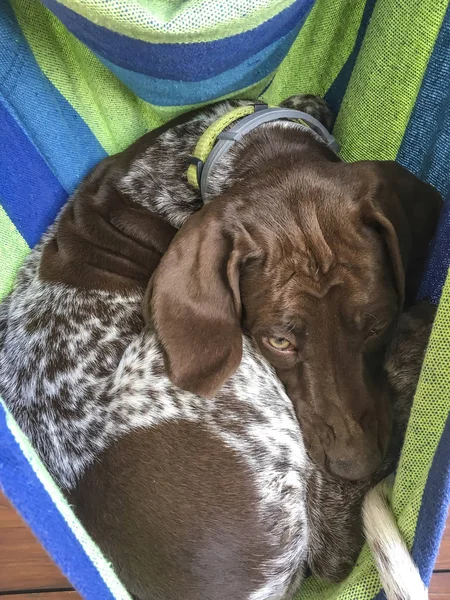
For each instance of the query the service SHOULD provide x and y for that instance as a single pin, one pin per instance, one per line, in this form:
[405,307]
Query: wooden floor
[27,573]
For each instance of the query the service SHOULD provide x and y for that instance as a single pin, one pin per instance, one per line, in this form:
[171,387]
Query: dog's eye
[279,343]
[376,330]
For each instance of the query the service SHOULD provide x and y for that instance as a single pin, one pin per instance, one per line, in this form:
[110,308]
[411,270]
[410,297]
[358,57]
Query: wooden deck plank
[69,595]
[443,560]
[24,564]
[440,586]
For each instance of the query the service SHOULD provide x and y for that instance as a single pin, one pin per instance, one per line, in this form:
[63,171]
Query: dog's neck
[235,126]
[259,151]
[156,178]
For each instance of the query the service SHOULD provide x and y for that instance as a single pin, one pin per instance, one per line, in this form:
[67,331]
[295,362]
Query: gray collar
[227,139]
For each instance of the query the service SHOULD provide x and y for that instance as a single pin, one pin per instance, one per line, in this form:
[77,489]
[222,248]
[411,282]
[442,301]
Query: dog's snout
[355,456]
[355,468]
[347,449]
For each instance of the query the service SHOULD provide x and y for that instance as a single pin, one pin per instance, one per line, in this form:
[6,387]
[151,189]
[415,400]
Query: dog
[204,463]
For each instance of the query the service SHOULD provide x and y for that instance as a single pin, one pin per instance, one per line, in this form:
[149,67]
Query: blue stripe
[425,149]
[163,92]
[181,62]
[439,259]
[31,194]
[338,88]
[27,493]
[62,137]
[434,508]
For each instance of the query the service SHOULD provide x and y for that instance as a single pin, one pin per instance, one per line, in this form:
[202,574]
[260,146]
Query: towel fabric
[82,79]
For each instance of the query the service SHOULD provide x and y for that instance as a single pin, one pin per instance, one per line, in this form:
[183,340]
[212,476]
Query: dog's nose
[355,468]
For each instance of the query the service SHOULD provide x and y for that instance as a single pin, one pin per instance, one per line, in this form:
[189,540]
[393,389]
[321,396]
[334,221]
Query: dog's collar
[215,142]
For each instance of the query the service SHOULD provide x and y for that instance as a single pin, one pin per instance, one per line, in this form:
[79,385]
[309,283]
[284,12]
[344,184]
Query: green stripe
[387,76]
[320,50]
[112,112]
[429,414]
[13,250]
[362,583]
[191,23]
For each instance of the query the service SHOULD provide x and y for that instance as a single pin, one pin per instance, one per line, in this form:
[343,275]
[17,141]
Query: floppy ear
[407,210]
[194,304]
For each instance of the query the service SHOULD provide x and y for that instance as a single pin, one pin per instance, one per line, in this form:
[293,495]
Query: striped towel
[82,79]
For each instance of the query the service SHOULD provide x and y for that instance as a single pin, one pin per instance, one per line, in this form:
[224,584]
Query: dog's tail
[399,575]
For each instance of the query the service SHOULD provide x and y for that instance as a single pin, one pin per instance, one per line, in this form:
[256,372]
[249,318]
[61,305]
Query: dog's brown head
[312,263]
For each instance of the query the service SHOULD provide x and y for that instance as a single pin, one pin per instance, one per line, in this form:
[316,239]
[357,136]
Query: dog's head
[316,265]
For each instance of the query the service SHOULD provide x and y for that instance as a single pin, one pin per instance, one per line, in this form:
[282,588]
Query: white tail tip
[398,573]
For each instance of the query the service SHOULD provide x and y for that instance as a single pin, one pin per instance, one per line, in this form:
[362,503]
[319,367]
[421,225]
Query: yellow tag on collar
[207,140]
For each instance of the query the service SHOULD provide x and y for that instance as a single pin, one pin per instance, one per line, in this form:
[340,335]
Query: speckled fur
[78,370]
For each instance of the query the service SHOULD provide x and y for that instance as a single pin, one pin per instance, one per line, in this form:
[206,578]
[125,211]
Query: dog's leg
[335,525]
[312,105]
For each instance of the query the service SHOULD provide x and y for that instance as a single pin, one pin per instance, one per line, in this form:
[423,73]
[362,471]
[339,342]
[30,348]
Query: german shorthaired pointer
[208,464]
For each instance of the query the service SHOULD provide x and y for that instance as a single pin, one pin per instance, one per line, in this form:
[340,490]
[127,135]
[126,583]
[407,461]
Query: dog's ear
[406,211]
[194,304]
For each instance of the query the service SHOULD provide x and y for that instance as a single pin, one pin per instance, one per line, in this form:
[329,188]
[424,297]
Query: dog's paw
[406,353]
[312,105]
[404,361]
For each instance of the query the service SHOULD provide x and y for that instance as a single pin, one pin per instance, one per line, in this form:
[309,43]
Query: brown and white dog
[183,450]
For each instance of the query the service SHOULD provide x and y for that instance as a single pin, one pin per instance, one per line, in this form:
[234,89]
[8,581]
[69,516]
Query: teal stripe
[164,92]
